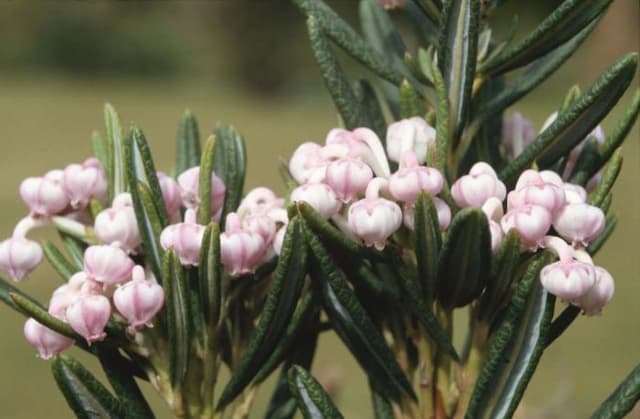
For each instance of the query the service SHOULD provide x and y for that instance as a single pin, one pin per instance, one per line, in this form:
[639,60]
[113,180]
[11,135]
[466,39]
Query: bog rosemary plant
[427,199]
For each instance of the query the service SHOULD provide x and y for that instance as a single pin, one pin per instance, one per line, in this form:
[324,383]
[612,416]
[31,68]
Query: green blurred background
[248,64]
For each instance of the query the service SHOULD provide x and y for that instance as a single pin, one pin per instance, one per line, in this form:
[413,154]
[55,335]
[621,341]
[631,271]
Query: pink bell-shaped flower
[170,194]
[319,196]
[474,189]
[85,181]
[536,191]
[496,235]
[568,280]
[138,300]
[361,143]
[240,251]
[89,315]
[260,224]
[517,133]
[118,226]
[184,238]
[599,295]
[574,194]
[260,199]
[411,179]
[412,134]
[532,222]
[374,219]
[47,342]
[106,264]
[188,182]
[19,256]
[579,223]
[306,162]
[348,177]
[44,196]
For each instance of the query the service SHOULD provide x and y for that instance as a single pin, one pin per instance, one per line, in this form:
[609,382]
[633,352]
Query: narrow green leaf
[149,174]
[380,32]
[117,370]
[6,290]
[420,309]
[101,151]
[371,107]
[409,102]
[278,308]
[75,249]
[562,322]
[313,402]
[609,175]
[620,132]
[577,121]
[149,221]
[382,408]
[587,161]
[465,259]
[177,309]
[560,26]
[187,143]
[353,325]
[298,324]
[334,78]
[503,269]
[230,163]
[442,124]
[328,232]
[622,400]
[534,75]
[340,32]
[86,396]
[598,242]
[500,346]
[426,23]
[58,260]
[116,168]
[31,308]
[428,241]
[283,404]
[524,353]
[204,182]
[457,59]
[210,270]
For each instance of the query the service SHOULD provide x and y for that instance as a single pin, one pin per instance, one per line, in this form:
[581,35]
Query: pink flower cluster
[348,180]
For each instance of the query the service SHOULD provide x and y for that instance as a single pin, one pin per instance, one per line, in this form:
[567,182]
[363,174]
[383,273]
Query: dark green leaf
[501,344]
[427,244]
[382,408]
[339,31]
[586,163]
[187,143]
[328,232]
[179,325]
[560,26]
[354,326]
[442,124]
[117,370]
[148,173]
[58,260]
[313,402]
[523,354]
[31,308]
[210,270]
[278,308]
[146,209]
[609,175]
[457,59]
[282,405]
[622,400]
[536,73]
[86,396]
[425,23]
[577,121]
[116,169]
[620,132]
[562,322]
[230,163]
[380,32]
[204,182]
[465,259]
[334,78]
[371,107]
